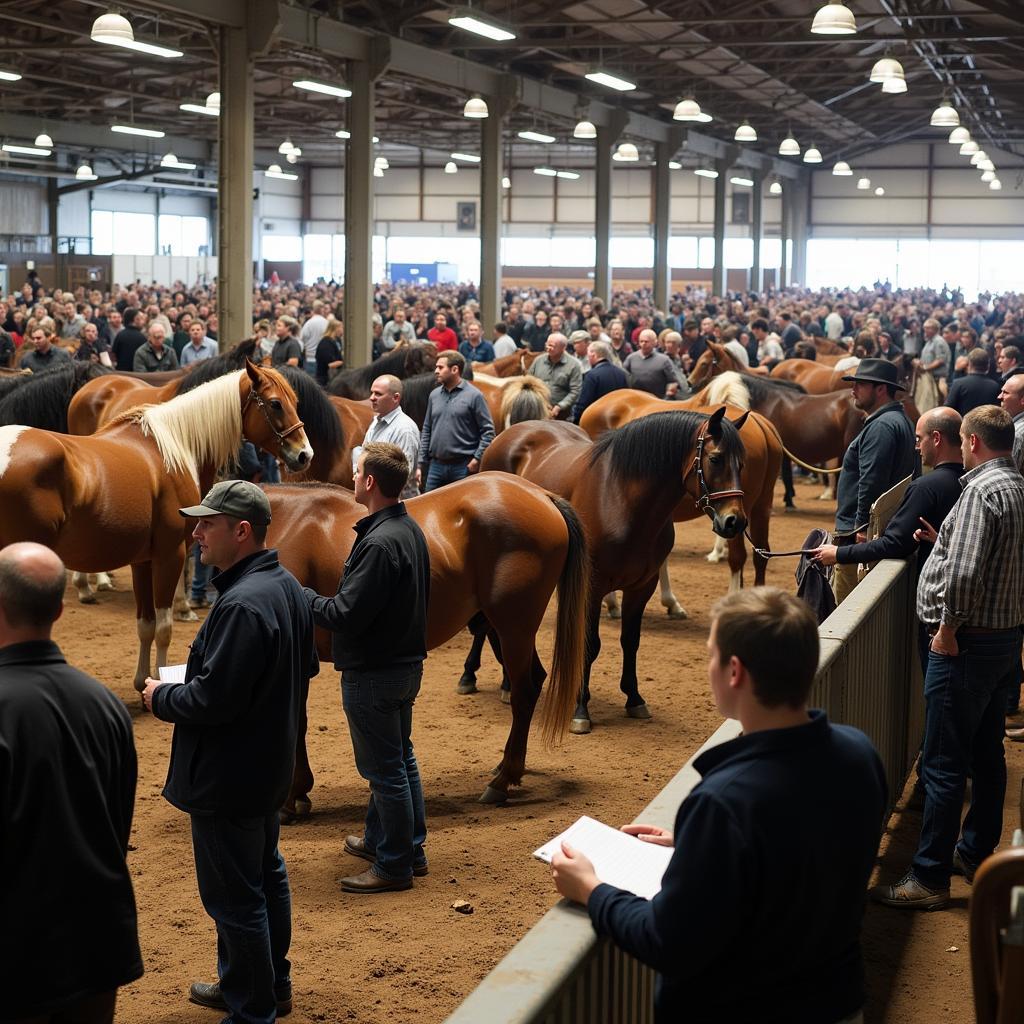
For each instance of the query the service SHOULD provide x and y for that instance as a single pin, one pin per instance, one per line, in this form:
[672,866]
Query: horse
[513,365]
[113,498]
[625,487]
[354,418]
[715,359]
[400,362]
[41,399]
[514,399]
[761,464]
[499,548]
[815,378]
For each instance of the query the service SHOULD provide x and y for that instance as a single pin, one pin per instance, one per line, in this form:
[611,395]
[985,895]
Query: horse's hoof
[108,585]
[826,497]
[490,795]
[87,599]
[466,686]
[614,613]
[185,615]
[638,711]
[303,809]
[287,817]
[506,696]
[676,611]
[580,726]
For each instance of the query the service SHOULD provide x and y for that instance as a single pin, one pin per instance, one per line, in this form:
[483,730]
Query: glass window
[338,258]
[573,252]
[632,252]
[526,252]
[124,234]
[316,257]
[195,235]
[102,232]
[282,248]
[739,253]
[706,253]
[169,235]
[771,252]
[682,251]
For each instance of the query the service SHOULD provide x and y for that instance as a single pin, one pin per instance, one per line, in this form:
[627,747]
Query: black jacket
[970,391]
[237,717]
[379,615]
[930,497]
[128,341]
[600,380]
[67,791]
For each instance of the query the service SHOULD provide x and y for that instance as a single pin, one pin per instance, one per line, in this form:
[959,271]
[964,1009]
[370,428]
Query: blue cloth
[200,575]
[190,354]
[378,705]
[441,473]
[483,353]
[760,909]
[458,424]
[965,707]
[600,380]
[243,884]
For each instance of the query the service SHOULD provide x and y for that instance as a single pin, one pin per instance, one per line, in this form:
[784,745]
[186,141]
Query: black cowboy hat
[877,371]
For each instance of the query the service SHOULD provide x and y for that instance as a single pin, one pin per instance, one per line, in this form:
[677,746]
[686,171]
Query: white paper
[619,859]
[172,673]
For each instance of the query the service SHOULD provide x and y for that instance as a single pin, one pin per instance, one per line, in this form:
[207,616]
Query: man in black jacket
[128,341]
[236,721]
[601,379]
[379,622]
[976,388]
[68,934]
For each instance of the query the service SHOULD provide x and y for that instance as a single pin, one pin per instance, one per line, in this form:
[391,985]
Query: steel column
[662,226]
[756,231]
[784,231]
[491,196]
[607,136]
[718,273]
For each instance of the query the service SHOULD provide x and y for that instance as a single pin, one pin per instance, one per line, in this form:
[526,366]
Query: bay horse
[761,464]
[113,498]
[499,548]
[815,378]
[513,365]
[626,487]
[403,362]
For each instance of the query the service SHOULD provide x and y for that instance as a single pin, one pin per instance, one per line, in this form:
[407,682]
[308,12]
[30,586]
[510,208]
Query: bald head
[938,436]
[647,339]
[1011,397]
[31,592]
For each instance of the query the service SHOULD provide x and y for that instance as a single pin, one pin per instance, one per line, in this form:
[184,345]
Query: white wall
[22,209]
[163,269]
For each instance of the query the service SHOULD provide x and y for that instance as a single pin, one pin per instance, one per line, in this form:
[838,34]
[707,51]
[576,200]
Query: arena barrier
[868,676]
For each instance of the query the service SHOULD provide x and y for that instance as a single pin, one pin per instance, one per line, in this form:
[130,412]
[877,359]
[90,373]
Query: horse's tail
[526,399]
[568,659]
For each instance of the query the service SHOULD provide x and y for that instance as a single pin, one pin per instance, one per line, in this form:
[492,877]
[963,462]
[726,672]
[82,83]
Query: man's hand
[671,390]
[825,555]
[419,477]
[649,834]
[555,411]
[944,642]
[473,466]
[147,693]
[573,874]
[862,537]
[926,532]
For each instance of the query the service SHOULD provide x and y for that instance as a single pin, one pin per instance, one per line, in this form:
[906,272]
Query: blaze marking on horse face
[8,435]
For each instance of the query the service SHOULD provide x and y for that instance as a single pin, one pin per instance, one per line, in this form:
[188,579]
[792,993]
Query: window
[632,252]
[182,236]
[123,234]
[682,251]
[316,258]
[282,248]
[102,232]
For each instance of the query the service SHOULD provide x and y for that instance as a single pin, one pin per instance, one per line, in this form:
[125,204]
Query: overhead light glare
[378,171]
[471,158]
[885,69]
[610,81]
[13,147]
[342,134]
[131,129]
[324,88]
[687,109]
[471,23]
[841,169]
[863,184]
[894,85]
[674,165]
[506,182]
[9,76]
[274,171]
[879,191]
[789,147]
[451,167]
[584,130]
[944,116]
[476,107]
[834,20]
[705,172]
[812,156]
[532,136]
[199,108]
[959,135]
[745,133]
[116,30]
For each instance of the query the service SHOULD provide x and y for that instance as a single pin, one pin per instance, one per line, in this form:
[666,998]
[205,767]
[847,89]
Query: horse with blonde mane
[514,399]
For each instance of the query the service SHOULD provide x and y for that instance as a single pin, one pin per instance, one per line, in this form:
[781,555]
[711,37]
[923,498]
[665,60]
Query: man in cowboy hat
[881,455]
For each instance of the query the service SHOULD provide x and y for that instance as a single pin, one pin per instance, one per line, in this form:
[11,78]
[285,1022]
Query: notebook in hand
[172,673]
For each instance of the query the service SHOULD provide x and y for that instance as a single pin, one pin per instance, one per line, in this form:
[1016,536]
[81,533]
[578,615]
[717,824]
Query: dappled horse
[113,498]
[499,548]
[626,487]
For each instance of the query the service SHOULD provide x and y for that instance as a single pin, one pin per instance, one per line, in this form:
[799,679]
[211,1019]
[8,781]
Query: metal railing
[560,972]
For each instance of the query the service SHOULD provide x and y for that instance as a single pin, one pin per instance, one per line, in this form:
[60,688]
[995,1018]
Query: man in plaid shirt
[970,596]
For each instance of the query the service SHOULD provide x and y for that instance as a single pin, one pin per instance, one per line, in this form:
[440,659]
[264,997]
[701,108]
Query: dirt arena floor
[409,957]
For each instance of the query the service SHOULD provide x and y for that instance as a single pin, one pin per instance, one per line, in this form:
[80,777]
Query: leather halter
[707,497]
[255,396]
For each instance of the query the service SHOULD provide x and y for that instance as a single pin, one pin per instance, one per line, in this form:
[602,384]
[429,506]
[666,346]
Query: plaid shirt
[975,576]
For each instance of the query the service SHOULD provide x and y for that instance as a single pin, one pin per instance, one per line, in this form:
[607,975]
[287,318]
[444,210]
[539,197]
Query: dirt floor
[409,957]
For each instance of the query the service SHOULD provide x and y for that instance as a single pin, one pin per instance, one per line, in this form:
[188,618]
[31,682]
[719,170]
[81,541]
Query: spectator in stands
[312,331]
[535,335]
[475,349]
[790,332]
[769,345]
[1009,362]
[1011,398]
[650,370]
[617,339]
[442,335]
[971,598]
[155,356]
[562,375]
[199,346]
[7,349]
[580,342]
[603,378]
[287,350]
[44,354]
[760,896]
[330,352]
[935,354]
[976,388]
[180,337]
[90,348]
[503,344]
[398,329]
[833,325]
[110,325]
[887,349]
[129,340]
[72,322]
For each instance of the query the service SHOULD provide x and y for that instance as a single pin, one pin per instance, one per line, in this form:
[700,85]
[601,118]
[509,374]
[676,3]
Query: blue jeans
[378,705]
[965,706]
[271,471]
[243,884]
[441,473]
[310,367]
[200,575]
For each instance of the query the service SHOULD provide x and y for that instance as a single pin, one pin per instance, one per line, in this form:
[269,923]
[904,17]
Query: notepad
[619,859]
[172,673]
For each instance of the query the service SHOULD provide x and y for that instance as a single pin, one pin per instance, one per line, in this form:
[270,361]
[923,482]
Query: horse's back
[98,401]
[618,408]
[549,453]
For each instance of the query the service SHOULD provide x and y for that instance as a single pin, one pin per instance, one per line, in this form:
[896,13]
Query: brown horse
[815,378]
[514,399]
[499,547]
[113,498]
[508,366]
[625,488]
[403,362]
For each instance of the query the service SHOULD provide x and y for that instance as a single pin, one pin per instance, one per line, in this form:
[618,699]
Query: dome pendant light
[958,136]
[894,85]
[451,167]
[834,20]
[885,69]
[476,107]
[584,130]
[995,184]
[812,156]
[863,184]
[969,148]
[879,191]
[687,109]
[775,188]
[84,173]
[789,147]
[841,169]
[944,116]
[43,141]
[988,176]
[745,133]
[626,152]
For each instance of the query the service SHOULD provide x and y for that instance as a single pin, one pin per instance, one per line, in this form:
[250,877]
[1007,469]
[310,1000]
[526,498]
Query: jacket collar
[767,742]
[369,523]
[895,404]
[31,652]
[256,562]
[1001,462]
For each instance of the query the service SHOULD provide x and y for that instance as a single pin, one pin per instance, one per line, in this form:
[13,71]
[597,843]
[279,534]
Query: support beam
[718,273]
[756,232]
[53,209]
[662,225]
[798,228]
[785,231]
[607,136]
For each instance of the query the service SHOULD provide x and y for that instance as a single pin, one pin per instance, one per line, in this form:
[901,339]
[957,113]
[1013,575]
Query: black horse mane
[355,383]
[759,387]
[219,366]
[653,447]
[323,428]
[416,394]
[41,399]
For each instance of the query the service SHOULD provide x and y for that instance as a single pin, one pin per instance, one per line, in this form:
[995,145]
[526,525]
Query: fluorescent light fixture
[451,167]
[687,109]
[545,172]
[9,76]
[322,87]
[879,191]
[532,136]
[12,147]
[584,130]
[43,141]
[342,134]
[745,133]
[471,158]
[944,116]
[775,188]
[610,81]
[886,68]
[812,156]
[959,135]
[894,85]
[199,108]
[863,184]
[84,173]
[834,20]
[274,171]
[674,165]
[570,175]
[789,147]
[745,182]
[476,107]
[969,148]
[841,169]
[131,129]
[705,172]
[116,30]
[471,23]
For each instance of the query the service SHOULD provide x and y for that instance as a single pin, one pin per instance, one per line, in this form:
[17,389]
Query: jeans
[1013,694]
[200,575]
[441,473]
[243,884]
[310,367]
[378,705]
[965,704]
[271,470]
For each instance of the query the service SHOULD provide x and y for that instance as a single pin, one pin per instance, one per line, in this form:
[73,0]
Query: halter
[255,396]
[704,501]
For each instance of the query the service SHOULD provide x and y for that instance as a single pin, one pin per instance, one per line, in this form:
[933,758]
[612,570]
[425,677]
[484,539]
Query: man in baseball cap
[238,499]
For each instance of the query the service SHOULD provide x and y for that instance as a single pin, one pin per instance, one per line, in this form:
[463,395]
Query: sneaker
[203,994]
[964,867]
[908,892]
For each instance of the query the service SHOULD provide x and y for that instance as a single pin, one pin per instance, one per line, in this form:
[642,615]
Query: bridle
[261,404]
[706,497]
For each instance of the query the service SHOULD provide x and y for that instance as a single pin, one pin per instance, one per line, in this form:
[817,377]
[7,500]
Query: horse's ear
[251,369]
[715,422]
[738,424]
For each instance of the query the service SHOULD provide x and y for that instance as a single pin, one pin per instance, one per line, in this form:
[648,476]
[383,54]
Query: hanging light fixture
[116,30]
[995,184]
[863,184]
[745,133]
[213,101]
[626,152]
[944,115]
[789,146]
[131,129]
[476,107]
[705,172]
[584,130]
[468,20]
[43,141]
[378,172]
[674,165]
[834,20]
[986,165]
[546,172]
[775,188]
[610,81]
[286,147]
[687,109]
[23,150]
[988,175]
[382,161]
[200,108]
[894,85]
[274,171]
[978,157]
[506,182]
[959,135]
[292,157]
[469,158]
[879,191]
[841,169]
[531,136]
[969,148]
[84,172]
[886,68]
[324,88]
[812,156]
[169,160]
[9,76]
[342,134]
[451,167]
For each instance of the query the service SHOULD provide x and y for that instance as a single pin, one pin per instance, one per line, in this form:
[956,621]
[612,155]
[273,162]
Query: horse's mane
[415,395]
[319,418]
[728,388]
[402,362]
[524,398]
[210,369]
[653,447]
[760,387]
[41,399]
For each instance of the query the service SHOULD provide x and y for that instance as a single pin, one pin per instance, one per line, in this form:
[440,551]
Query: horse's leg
[668,600]
[145,621]
[477,627]
[789,491]
[718,552]
[86,595]
[611,600]
[760,517]
[182,612]
[167,567]
[506,684]
[737,559]
[105,581]
[298,806]
[633,604]
[829,494]
[580,723]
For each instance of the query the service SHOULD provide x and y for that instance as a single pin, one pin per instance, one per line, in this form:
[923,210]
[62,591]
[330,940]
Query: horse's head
[269,416]
[420,358]
[715,359]
[717,465]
